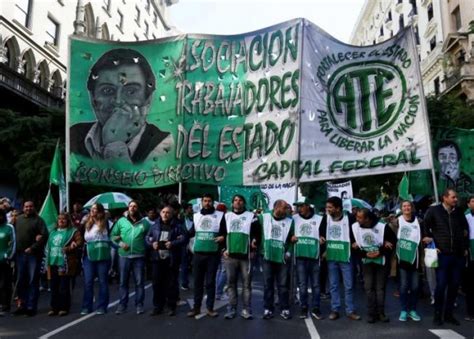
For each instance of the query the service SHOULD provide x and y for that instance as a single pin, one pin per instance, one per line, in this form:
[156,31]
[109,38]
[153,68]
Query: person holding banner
[210,231]
[408,253]
[278,229]
[336,234]
[129,235]
[243,237]
[446,225]
[469,281]
[374,242]
[96,260]
[7,251]
[31,236]
[306,241]
[62,258]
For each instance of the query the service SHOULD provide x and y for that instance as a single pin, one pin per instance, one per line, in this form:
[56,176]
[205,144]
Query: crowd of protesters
[221,247]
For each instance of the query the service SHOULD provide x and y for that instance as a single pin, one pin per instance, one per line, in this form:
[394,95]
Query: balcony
[464,72]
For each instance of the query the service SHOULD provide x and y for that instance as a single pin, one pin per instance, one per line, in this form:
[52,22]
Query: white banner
[363,109]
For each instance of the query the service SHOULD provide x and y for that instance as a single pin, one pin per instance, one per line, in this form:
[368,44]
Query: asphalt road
[130,325]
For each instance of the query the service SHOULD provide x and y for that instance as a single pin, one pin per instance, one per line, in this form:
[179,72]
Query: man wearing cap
[306,241]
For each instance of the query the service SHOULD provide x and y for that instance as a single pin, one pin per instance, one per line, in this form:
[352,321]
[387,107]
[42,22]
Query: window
[147,29]
[417,35]
[389,16]
[137,15]
[436,86]
[430,11]
[433,43]
[52,31]
[120,17]
[456,15]
[23,12]
[381,30]
[401,22]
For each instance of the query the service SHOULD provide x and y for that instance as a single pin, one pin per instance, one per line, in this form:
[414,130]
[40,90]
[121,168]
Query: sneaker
[304,313]
[371,319]
[403,316]
[52,313]
[325,296]
[353,316]
[194,312]
[120,309]
[100,311]
[285,314]
[333,315]
[63,313]
[211,313]
[383,318]
[156,311]
[184,287]
[267,314]
[432,301]
[316,313]
[246,314]
[414,316]
[450,319]
[84,311]
[231,313]
[140,310]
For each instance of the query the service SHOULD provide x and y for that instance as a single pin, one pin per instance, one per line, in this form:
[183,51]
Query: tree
[450,111]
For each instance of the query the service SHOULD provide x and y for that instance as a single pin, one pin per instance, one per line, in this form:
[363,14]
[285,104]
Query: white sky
[337,17]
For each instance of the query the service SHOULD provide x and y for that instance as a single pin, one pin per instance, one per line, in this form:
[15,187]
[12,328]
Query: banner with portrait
[278,105]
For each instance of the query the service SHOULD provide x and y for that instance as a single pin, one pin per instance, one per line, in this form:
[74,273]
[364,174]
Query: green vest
[57,240]
[369,240]
[408,240]
[238,232]
[7,241]
[470,221]
[207,228]
[275,233]
[338,239]
[307,232]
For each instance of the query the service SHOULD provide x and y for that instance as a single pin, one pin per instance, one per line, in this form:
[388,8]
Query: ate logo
[405,232]
[276,231]
[57,240]
[305,230]
[335,231]
[206,224]
[236,225]
[365,99]
[368,239]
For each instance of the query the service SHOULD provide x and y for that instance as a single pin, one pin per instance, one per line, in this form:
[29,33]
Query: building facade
[34,41]
[441,31]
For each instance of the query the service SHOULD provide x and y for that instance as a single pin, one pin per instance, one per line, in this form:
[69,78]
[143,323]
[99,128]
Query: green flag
[48,211]
[403,188]
[56,177]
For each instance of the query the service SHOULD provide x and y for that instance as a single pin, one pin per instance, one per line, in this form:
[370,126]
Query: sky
[337,17]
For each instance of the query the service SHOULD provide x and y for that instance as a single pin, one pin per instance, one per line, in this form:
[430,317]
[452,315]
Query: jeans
[308,272]
[184,269]
[448,276]
[272,271]
[469,289]
[408,282]
[334,267]
[93,269]
[221,278]
[205,268]
[60,291]
[28,268]
[137,267]
[6,278]
[431,279]
[165,284]
[234,268]
[375,281]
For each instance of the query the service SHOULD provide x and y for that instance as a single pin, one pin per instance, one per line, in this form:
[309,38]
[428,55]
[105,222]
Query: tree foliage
[450,111]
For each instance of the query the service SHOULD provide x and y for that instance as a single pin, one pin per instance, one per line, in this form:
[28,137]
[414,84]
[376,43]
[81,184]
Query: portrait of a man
[450,175]
[121,85]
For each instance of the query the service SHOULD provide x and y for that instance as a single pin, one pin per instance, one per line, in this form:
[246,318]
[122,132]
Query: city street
[130,325]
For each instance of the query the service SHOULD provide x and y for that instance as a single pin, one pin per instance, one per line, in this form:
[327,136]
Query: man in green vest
[129,234]
[278,230]
[374,242]
[335,232]
[209,230]
[243,236]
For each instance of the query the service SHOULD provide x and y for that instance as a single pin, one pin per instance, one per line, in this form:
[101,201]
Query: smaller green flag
[403,189]
[56,177]
[48,211]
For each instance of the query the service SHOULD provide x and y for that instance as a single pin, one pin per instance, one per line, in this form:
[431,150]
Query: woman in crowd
[63,263]
[7,250]
[97,259]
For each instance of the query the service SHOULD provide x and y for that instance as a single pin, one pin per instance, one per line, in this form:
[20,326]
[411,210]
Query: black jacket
[449,230]
[177,237]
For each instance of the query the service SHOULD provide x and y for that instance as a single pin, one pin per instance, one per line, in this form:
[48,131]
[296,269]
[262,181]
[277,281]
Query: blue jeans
[137,266]
[448,275]
[334,268]
[221,278]
[308,272]
[408,282]
[92,269]
[28,268]
[272,271]
[184,268]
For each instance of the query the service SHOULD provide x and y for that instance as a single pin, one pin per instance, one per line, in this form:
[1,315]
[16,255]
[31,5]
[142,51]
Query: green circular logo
[405,232]
[305,230]
[236,225]
[365,98]
[276,231]
[206,224]
[335,231]
[368,239]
